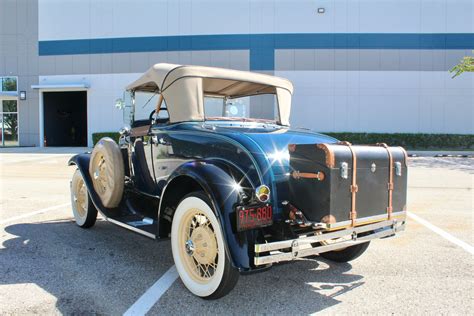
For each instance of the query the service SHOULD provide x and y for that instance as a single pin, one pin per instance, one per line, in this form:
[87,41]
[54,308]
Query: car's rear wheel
[346,254]
[199,250]
[83,209]
[107,172]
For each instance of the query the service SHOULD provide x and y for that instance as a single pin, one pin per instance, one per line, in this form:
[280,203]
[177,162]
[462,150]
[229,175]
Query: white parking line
[442,233]
[153,294]
[44,210]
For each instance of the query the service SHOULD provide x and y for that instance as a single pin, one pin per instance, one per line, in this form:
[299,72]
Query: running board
[130,226]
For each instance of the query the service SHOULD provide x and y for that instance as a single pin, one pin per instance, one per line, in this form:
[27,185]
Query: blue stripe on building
[261,46]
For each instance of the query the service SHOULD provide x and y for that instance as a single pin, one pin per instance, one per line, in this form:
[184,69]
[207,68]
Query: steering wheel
[159,120]
[150,118]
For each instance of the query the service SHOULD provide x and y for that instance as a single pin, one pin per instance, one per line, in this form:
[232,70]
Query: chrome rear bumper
[287,250]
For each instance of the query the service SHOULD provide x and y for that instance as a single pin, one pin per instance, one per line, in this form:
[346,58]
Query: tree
[466,65]
[9,84]
[10,120]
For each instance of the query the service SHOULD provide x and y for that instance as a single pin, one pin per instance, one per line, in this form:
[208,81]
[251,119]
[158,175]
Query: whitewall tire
[83,209]
[199,250]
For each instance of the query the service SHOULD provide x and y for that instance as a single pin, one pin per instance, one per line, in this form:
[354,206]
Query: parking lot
[49,265]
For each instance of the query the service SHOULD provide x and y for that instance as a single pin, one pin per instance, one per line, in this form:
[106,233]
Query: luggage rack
[291,249]
[297,218]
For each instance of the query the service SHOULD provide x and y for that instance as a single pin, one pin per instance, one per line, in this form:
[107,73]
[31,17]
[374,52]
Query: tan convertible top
[184,87]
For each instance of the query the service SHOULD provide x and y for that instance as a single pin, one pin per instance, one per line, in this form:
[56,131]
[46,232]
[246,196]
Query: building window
[9,84]
[8,111]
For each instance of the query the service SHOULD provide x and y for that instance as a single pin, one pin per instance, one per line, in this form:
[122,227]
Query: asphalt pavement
[50,266]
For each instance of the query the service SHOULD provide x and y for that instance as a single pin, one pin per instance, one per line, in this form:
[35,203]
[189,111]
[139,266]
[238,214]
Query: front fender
[219,186]
[82,162]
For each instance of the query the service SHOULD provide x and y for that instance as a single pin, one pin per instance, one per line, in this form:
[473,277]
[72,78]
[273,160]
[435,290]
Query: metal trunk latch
[344,170]
[294,248]
[398,168]
[354,236]
[373,167]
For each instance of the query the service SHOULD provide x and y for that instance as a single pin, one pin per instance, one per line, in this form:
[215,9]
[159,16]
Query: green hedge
[97,136]
[409,141]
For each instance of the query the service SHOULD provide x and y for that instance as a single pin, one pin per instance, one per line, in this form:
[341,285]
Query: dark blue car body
[166,161]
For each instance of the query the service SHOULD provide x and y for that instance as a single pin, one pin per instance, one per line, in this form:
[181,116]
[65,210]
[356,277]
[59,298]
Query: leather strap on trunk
[354,187]
[390,180]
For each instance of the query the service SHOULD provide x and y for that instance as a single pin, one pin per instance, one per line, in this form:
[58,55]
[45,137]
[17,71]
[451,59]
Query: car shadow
[101,270]
[104,270]
[299,287]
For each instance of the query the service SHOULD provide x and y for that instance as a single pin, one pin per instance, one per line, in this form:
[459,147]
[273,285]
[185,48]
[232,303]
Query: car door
[165,158]
[141,143]
[142,162]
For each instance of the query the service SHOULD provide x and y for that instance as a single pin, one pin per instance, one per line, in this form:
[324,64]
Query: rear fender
[219,186]
[82,163]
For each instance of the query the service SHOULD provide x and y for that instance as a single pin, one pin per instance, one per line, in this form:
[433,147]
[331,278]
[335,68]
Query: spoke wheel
[198,249]
[84,211]
[107,172]
[199,245]
[102,176]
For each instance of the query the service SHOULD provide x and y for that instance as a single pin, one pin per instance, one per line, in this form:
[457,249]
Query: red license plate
[249,217]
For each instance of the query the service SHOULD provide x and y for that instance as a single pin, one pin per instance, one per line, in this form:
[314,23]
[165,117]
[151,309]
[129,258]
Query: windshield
[142,107]
[263,107]
[145,103]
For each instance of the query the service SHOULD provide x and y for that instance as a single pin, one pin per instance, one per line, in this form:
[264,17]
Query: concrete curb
[44,150]
[442,153]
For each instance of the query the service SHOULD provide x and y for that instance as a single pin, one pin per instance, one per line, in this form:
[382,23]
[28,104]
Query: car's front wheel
[83,209]
[198,249]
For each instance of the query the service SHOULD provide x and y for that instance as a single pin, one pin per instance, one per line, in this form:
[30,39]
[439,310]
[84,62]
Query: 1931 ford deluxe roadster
[210,162]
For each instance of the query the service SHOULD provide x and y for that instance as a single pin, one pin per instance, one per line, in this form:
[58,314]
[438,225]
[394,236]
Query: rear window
[263,107]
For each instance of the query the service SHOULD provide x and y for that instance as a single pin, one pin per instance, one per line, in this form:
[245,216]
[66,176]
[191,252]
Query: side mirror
[119,104]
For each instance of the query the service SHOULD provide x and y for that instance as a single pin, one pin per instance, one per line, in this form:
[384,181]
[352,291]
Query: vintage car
[209,161]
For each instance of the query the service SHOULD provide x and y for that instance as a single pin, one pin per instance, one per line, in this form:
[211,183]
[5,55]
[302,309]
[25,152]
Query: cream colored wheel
[107,172]
[198,249]
[84,211]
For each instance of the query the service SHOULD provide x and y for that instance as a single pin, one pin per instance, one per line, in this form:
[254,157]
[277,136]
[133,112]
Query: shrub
[97,136]
[410,141]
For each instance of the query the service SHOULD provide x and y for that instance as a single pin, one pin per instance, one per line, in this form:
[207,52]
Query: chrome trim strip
[367,219]
[134,229]
[301,247]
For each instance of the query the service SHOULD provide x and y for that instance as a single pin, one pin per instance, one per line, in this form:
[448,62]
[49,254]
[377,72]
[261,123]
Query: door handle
[160,140]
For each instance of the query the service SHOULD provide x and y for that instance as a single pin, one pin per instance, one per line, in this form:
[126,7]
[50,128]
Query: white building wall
[382,101]
[355,90]
[84,19]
